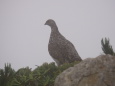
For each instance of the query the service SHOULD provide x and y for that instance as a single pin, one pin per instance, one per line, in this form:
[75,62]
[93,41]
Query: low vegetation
[106,47]
[43,75]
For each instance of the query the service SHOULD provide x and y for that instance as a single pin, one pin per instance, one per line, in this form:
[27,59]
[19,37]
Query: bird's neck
[54,29]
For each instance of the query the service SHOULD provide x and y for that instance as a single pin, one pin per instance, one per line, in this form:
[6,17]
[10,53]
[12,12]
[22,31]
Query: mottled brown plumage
[60,49]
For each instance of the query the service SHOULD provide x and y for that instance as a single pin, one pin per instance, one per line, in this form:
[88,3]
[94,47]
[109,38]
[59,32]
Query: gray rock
[98,71]
[60,49]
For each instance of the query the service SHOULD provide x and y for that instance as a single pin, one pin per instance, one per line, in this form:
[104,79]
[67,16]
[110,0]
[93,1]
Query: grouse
[60,49]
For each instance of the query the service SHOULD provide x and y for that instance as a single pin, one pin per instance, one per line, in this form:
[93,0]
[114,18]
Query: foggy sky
[24,38]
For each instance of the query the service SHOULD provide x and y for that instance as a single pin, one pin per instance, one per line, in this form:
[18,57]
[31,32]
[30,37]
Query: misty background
[24,37]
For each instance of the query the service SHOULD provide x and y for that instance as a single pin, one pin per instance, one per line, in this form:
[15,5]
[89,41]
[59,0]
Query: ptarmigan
[60,49]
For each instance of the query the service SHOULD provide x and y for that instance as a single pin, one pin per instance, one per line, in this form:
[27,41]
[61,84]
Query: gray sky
[24,38]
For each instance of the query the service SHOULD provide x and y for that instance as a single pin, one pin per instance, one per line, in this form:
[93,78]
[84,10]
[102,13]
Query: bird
[60,49]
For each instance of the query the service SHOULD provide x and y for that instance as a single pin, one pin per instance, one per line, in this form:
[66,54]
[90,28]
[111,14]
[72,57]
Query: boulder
[99,71]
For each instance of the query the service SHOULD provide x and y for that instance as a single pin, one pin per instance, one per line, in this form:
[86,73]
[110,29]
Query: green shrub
[6,75]
[43,75]
[106,47]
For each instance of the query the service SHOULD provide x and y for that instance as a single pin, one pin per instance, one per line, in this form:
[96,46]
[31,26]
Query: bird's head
[50,22]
